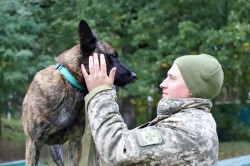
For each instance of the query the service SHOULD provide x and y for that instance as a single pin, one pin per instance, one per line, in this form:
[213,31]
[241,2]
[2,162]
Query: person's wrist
[100,87]
[97,90]
[92,87]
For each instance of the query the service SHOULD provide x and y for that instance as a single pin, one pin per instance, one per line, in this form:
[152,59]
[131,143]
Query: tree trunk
[1,125]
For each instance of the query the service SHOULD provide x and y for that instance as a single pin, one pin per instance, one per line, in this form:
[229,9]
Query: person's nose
[164,84]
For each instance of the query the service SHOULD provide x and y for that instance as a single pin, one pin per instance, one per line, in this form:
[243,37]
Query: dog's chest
[71,111]
[69,118]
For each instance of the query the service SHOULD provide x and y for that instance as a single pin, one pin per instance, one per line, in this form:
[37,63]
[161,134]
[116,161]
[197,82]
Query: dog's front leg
[75,152]
[32,152]
[57,154]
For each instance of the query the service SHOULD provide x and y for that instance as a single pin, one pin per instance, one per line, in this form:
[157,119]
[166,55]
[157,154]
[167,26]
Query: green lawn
[13,131]
[233,149]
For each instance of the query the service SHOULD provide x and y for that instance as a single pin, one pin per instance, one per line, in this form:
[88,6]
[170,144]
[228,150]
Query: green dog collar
[68,76]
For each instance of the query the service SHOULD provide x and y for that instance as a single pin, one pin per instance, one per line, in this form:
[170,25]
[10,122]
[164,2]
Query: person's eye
[172,78]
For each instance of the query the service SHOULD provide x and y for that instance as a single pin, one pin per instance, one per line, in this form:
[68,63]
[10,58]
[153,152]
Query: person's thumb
[112,75]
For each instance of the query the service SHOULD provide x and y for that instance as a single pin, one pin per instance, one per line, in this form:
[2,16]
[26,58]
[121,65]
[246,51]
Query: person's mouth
[164,94]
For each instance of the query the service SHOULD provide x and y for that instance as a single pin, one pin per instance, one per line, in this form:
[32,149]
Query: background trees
[147,35]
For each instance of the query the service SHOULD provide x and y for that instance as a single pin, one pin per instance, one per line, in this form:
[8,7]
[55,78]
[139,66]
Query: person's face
[174,85]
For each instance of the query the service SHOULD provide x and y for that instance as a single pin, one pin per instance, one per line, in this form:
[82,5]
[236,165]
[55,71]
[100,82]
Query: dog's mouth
[121,82]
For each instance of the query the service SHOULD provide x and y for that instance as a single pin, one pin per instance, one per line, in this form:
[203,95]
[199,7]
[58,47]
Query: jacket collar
[172,106]
[167,107]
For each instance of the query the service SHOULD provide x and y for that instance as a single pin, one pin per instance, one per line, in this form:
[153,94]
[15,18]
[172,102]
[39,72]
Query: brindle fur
[53,109]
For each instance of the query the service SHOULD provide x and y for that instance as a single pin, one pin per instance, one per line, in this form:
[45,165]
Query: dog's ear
[87,38]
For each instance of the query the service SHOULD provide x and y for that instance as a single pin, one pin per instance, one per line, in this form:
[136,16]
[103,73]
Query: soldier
[184,131]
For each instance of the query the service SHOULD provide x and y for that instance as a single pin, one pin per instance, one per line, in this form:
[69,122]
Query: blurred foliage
[147,35]
[32,34]
[13,132]
[150,35]
[230,125]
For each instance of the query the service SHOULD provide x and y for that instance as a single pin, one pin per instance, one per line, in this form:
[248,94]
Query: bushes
[12,131]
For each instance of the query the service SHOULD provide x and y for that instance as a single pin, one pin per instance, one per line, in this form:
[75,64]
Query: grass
[233,149]
[13,139]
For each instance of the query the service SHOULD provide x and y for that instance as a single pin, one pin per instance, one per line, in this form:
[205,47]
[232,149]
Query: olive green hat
[202,73]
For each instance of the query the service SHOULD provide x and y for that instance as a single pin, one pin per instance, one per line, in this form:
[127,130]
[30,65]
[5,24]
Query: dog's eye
[114,55]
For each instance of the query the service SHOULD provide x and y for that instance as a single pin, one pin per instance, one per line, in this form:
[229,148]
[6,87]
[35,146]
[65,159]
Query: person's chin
[164,95]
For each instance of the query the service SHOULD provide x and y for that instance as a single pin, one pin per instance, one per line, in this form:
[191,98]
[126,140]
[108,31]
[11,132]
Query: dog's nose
[134,75]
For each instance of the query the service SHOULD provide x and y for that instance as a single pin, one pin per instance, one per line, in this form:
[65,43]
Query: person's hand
[97,73]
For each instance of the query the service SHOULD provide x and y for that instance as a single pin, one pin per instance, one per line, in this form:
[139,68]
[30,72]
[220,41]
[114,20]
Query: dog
[53,107]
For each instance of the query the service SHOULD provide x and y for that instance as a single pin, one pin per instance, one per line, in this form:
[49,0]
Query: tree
[147,35]
[150,35]
[32,34]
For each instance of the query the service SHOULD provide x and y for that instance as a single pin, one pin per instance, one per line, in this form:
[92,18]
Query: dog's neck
[68,76]
[71,59]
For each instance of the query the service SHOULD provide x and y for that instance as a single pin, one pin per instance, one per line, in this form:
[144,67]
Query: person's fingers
[84,72]
[112,74]
[103,64]
[91,65]
[96,62]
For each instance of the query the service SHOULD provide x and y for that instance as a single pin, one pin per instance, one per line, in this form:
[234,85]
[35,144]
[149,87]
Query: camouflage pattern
[184,133]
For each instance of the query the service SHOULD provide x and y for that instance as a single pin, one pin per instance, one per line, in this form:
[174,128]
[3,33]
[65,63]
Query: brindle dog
[53,108]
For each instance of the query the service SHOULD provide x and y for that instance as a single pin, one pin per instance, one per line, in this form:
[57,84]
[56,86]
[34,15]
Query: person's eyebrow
[171,75]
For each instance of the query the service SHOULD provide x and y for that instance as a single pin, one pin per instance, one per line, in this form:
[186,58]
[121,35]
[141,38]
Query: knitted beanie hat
[202,73]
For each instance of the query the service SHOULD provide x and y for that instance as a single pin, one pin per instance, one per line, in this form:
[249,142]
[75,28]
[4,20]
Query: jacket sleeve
[120,146]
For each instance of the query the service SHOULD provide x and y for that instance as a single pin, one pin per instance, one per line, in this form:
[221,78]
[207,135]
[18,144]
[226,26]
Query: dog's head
[90,44]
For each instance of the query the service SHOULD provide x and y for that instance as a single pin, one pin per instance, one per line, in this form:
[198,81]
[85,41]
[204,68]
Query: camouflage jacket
[184,132]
